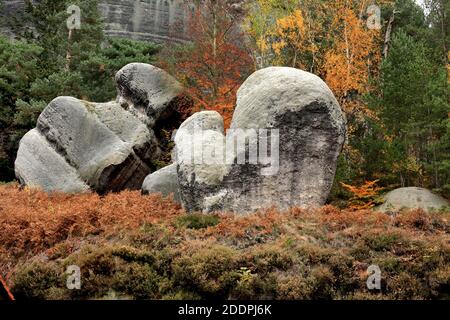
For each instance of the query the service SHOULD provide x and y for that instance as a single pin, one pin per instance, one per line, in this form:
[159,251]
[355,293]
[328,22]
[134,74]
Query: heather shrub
[34,280]
[130,246]
[197,221]
[209,270]
[139,281]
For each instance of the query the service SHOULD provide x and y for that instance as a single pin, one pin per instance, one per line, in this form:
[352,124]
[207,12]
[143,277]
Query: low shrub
[133,247]
[197,221]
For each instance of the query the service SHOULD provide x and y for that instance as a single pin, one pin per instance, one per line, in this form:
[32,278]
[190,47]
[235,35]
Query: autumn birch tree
[352,58]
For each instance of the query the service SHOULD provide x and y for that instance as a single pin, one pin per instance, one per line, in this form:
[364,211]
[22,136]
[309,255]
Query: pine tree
[18,69]
[414,110]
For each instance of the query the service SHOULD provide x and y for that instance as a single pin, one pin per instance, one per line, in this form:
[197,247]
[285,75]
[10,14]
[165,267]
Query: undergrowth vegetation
[130,246]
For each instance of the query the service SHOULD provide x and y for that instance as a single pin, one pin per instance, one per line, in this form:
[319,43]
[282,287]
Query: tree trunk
[347,50]
[387,38]
[215,86]
[68,54]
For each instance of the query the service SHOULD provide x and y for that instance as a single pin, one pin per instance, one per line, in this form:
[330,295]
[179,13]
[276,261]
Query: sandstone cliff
[154,20]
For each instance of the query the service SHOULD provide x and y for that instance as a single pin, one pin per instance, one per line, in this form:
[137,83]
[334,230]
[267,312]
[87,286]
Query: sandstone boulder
[147,91]
[286,134]
[164,181]
[108,147]
[199,173]
[412,197]
[79,145]
[39,165]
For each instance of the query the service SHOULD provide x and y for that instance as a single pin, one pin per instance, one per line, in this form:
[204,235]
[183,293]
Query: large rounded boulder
[286,134]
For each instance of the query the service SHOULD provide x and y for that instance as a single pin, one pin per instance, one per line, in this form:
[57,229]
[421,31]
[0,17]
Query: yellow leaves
[278,46]
[329,39]
[259,25]
[287,34]
[262,44]
[293,22]
[351,59]
[413,165]
[291,32]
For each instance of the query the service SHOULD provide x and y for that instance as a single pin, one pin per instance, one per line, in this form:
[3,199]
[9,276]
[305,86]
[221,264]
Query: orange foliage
[414,219]
[364,195]
[260,223]
[352,57]
[337,220]
[214,66]
[32,220]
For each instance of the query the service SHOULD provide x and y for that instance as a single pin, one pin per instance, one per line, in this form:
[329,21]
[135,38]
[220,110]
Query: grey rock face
[164,181]
[412,197]
[106,146]
[199,174]
[293,105]
[151,20]
[154,20]
[147,91]
[77,144]
[103,153]
[39,165]
[9,8]
[312,132]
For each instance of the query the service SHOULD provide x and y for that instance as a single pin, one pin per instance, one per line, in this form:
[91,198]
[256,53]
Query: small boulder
[412,197]
[164,181]
[199,174]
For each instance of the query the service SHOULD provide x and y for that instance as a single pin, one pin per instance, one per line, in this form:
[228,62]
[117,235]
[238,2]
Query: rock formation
[79,145]
[148,92]
[164,181]
[412,197]
[281,150]
[154,20]
[199,174]
[151,20]
[286,134]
